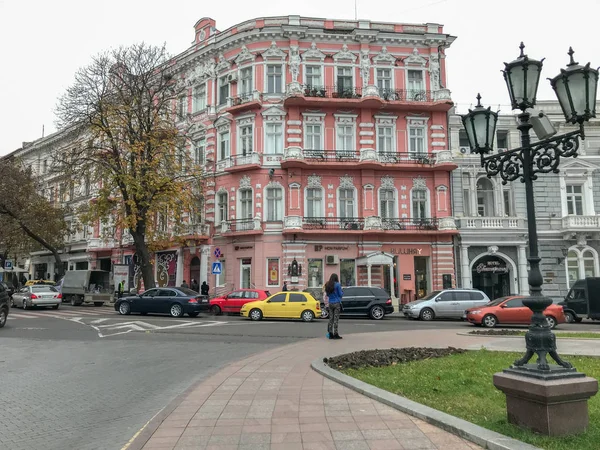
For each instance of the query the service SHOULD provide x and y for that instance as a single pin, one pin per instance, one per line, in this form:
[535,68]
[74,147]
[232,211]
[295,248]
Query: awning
[14,270]
[375,259]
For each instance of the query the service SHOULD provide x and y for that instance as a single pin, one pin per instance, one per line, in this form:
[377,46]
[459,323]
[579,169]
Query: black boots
[336,336]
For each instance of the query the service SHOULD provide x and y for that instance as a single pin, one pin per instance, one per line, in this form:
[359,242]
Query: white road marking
[99,320]
[12,315]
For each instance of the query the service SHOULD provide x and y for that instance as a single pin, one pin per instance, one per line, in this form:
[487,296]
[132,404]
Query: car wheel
[376,313]
[551,322]
[24,305]
[124,308]
[215,310]
[12,303]
[427,314]
[578,319]
[324,313]
[489,321]
[193,314]
[3,316]
[256,314]
[569,317]
[176,310]
[307,315]
[98,303]
[73,300]
[54,306]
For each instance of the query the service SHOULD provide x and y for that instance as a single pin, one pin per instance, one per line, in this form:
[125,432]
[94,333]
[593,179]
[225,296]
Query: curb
[523,337]
[466,430]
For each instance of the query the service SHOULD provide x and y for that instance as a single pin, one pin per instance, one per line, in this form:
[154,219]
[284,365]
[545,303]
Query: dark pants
[334,316]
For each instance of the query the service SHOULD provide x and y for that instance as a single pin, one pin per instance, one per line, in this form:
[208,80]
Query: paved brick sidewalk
[275,401]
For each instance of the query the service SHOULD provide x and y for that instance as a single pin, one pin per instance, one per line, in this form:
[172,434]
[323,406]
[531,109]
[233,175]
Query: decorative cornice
[346,182]
[245,182]
[313,53]
[419,184]
[274,52]
[344,54]
[244,55]
[384,57]
[314,181]
[415,59]
[387,182]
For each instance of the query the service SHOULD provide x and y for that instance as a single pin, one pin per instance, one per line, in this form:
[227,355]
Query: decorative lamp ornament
[480,125]
[522,78]
[576,88]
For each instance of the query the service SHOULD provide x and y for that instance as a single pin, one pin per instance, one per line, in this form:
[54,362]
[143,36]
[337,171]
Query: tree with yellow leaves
[133,146]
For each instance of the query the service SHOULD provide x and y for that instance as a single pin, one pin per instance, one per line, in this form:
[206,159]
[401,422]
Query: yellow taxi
[44,282]
[284,305]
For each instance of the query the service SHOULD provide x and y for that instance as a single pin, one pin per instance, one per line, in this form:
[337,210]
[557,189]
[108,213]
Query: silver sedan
[37,295]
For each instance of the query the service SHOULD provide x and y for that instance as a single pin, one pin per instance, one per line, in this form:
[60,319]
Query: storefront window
[221,276]
[421,276]
[347,272]
[315,273]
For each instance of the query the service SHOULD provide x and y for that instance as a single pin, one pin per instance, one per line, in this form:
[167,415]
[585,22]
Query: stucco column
[179,274]
[204,252]
[393,288]
[369,275]
[465,273]
[522,263]
[473,205]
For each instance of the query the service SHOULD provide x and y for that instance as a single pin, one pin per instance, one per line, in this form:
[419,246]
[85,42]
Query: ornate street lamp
[575,88]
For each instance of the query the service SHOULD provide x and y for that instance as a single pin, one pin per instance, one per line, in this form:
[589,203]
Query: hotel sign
[406,251]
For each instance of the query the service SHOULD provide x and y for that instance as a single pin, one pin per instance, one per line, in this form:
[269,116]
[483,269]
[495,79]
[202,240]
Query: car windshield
[187,291]
[497,301]
[43,289]
[430,296]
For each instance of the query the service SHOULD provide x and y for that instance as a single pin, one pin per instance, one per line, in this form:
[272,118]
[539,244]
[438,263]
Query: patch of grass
[461,385]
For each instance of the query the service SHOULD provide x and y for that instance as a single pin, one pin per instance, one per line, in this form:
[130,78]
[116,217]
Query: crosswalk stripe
[21,316]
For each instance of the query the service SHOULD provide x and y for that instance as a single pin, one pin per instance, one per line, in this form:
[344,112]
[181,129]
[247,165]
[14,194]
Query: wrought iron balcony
[338,91]
[330,155]
[406,157]
[406,95]
[409,223]
[333,223]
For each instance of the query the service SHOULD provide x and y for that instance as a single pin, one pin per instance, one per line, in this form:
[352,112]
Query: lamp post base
[554,407]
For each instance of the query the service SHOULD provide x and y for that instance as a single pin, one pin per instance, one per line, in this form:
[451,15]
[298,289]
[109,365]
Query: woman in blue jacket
[334,292]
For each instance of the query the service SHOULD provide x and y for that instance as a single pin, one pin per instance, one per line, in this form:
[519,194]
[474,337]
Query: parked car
[10,289]
[37,295]
[448,303]
[284,305]
[510,310]
[44,282]
[4,309]
[373,302]
[233,302]
[164,300]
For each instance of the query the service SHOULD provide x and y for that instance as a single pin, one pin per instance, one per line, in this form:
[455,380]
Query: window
[223,90]
[384,80]
[274,79]
[278,298]
[344,79]
[221,277]
[508,203]
[272,272]
[419,204]
[385,139]
[245,83]
[245,140]
[485,198]
[575,199]
[315,273]
[45,166]
[199,100]
[416,141]
[446,297]
[502,139]
[415,84]
[313,137]
[297,298]
[246,211]
[346,199]
[314,202]
[347,269]
[274,196]
[199,151]
[345,139]
[466,202]
[223,146]
[182,107]
[463,140]
[313,76]
[514,303]
[274,138]
[580,265]
[387,203]
[222,207]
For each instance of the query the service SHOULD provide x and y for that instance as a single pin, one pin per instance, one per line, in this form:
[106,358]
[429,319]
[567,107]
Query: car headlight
[477,311]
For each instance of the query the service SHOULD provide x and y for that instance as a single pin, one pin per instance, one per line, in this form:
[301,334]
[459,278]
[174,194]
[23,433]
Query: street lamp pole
[576,90]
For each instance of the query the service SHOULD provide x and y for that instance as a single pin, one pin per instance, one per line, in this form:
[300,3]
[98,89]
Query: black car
[373,302]
[10,289]
[165,300]
[3,305]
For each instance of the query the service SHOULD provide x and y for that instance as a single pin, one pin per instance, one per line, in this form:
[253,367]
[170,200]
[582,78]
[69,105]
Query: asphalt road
[88,378]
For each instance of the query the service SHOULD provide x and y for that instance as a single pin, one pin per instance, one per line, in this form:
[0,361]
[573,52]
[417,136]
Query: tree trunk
[58,263]
[143,255]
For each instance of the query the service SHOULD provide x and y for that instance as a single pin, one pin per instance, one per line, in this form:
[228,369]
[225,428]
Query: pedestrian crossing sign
[216,268]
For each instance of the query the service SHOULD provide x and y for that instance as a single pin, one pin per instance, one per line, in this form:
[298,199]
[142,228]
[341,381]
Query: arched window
[485,198]
[581,264]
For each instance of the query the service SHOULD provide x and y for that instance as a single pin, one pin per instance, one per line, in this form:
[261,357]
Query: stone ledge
[466,430]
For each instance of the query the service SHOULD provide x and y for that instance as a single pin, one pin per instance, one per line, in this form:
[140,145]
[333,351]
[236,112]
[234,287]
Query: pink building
[325,144]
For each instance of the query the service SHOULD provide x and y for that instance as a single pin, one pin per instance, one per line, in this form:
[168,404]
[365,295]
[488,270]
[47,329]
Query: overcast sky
[44,42]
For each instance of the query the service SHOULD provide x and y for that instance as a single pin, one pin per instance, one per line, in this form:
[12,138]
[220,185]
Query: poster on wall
[121,275]
[166,268]
[273,272]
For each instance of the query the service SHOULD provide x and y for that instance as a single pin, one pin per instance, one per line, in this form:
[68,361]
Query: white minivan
[449,303]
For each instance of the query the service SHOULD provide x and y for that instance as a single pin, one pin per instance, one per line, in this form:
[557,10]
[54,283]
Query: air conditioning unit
[465,150]
[332,259]
[232,77]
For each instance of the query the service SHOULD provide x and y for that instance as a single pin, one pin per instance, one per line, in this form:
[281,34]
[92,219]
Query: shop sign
[406,277]
[243,247]
[406,251]
[319,248]
[273,271]
[491,267]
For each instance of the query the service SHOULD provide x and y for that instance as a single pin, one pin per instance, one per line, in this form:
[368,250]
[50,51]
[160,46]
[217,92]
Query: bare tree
[124,103]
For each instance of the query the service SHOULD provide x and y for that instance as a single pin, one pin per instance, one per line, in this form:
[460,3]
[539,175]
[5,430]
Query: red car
[233,302]
[510,310]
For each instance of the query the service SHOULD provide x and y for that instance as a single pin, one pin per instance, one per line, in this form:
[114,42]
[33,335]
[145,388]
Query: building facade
[492,246]
[325,149]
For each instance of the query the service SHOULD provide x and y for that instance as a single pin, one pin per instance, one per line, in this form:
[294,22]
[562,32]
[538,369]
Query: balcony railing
[96,243]
[407,157]
[581,222]
[243,97]
[330,155]
[243,160]
[406,95]
[332,91]
[412,223]
[238,225]
[491,223]
[201,229]
[333,223]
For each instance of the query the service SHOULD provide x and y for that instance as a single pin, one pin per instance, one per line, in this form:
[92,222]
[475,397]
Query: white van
[449,303]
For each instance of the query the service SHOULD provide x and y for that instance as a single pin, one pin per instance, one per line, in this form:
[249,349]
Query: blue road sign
[217,253]
[216,268]
[8,265]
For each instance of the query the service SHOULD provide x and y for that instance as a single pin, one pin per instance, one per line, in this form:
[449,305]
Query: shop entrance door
[246,273]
